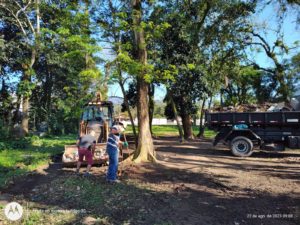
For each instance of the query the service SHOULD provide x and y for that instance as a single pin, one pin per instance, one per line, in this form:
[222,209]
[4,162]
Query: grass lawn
[171,130]
[22,156]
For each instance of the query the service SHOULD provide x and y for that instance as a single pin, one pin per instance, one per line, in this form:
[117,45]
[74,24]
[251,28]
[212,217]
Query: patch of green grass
[25,155]
[172,130]
[84,189]
[90,194]
[51,215]
[209,133]
[33,218]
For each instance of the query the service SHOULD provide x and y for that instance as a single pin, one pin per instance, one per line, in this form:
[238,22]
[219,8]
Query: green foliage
[25,88]
[70,57]
[243,81]
[159,110]
[19,144]
[2,146]
[64,75]
[36,141]
[22,143]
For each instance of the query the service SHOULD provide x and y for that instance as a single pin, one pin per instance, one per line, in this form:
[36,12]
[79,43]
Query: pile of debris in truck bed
[266,107]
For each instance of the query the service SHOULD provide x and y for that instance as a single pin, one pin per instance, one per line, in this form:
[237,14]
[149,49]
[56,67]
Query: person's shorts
[83,152]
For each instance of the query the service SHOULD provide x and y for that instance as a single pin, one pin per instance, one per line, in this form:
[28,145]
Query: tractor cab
[97,116]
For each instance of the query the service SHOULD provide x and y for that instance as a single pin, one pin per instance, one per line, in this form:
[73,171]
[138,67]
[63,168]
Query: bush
[4,133]
[19,144]
[2,146]
[36,141]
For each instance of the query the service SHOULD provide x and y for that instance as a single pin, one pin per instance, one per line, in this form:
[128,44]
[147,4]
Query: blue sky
[267,17]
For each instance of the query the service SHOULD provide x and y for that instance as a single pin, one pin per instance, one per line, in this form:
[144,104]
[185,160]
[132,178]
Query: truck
[244,131]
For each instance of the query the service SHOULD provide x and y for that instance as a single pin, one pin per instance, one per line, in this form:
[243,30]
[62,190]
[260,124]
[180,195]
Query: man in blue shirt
[112,149]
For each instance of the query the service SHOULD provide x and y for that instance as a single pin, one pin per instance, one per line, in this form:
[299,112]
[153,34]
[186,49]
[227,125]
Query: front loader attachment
[70,156]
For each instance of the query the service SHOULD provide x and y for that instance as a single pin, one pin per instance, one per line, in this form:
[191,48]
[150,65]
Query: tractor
[98,116]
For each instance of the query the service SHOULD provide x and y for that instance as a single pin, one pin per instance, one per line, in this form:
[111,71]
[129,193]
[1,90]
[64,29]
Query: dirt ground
[193,183]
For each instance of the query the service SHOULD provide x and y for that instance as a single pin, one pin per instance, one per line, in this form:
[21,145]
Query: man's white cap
[118,128]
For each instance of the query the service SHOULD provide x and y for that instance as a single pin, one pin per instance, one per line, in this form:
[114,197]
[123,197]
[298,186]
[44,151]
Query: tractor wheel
[241,146]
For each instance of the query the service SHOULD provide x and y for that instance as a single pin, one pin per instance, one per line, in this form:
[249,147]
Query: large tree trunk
[151,105]
[201,126]
[16,113]
[145,149]
[25,115]
[25,106]
[28,72]
[187,126]
[26,96]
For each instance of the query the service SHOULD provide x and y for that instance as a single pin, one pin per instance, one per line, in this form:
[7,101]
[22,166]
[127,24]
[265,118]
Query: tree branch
[265,43]
[262,45]
[22,9]
[208,6]
[16,18]
[255,65]
[27,18]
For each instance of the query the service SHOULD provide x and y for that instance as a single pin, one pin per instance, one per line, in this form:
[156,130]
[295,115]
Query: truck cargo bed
[259,119]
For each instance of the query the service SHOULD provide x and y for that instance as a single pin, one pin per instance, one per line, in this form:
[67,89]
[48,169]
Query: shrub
[36,141]
[19,144]
[3,146]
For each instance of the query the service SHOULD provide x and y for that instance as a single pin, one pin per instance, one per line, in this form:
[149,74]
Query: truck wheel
[241,146]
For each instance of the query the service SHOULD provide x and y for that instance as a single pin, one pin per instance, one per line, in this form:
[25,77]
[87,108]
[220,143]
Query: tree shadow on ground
[278,164]
[206,148]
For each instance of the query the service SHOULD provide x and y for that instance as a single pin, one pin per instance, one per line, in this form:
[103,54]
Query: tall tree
[21,13]
[145,149]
